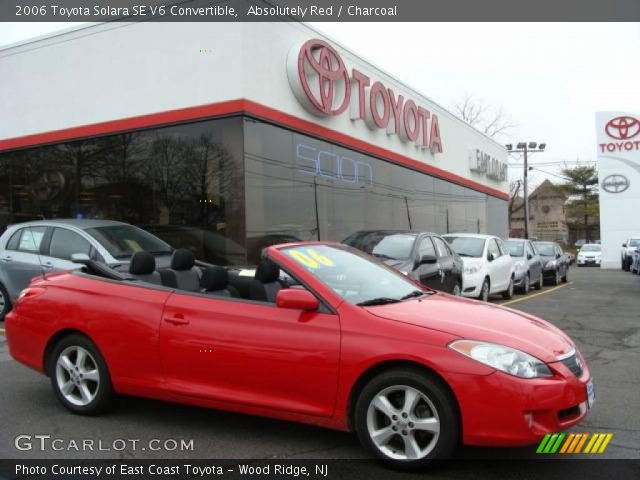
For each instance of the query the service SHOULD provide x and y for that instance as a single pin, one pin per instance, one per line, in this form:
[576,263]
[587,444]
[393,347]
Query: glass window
[65,243]
[122,241]
[546,249]
[634,242]
[350,274]
[426,248]
[466,246]
[443,251]
[493,249]
[13,242]
[515,247]
[31,239]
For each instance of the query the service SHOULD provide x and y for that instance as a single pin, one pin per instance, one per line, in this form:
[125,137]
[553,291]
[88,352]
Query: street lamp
[525,148]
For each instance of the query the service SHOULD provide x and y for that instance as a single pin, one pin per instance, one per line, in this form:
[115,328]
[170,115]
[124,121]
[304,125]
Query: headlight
[471,268]
[550,264]
[506,359]
[519,264]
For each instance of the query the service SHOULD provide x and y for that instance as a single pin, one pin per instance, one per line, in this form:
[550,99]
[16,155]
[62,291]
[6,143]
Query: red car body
[299,365]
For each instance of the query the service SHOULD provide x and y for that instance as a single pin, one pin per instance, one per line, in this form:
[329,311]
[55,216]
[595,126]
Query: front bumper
[589,261]
[472,284]
[518,277]
[502,410]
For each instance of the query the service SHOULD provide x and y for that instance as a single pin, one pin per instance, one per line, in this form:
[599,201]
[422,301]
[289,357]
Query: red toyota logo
[622,127]
[324,77]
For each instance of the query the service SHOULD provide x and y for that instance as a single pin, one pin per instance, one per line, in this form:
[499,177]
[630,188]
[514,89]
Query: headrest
[182,259]
[267,271]
[214,279]
[142,263]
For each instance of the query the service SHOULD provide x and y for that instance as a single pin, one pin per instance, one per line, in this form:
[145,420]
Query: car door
[505,262]
[62,244]
[445,260]
[533,259]
[21,259]
[496,267]
[248,352]
[562,260]
[427,274]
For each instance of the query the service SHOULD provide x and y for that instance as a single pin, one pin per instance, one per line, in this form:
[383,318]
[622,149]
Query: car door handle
[6,259]
[177,319]
[47,265]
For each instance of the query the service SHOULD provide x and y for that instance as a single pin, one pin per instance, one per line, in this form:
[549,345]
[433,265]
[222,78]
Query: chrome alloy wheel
[403,423]
[77,376]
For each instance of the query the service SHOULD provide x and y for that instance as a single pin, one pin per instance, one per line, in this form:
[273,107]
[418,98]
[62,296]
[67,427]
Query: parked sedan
[36,248]
[527,264]
[424,256]
[351,344]
[556,263]
[488,267]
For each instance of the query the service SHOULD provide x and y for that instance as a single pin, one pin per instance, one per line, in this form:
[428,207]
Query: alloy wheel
[403,423]
[457,290]
[527,284]
[77,376]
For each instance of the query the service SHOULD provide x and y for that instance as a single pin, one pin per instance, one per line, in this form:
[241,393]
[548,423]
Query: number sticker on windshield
[310,258]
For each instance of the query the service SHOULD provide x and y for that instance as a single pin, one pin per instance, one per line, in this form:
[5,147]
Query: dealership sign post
[618,137]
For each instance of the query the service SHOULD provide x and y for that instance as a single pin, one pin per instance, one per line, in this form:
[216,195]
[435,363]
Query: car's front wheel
[508,293]
[5,302]
[540,282]
[408,418]
[80,377]
[485,290]
[457,289]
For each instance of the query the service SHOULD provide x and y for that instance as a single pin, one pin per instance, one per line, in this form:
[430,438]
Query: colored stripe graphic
[573,443]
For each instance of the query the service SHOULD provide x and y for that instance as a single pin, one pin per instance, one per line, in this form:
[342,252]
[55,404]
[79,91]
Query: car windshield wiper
[382,255]
[378,301]
[414,294]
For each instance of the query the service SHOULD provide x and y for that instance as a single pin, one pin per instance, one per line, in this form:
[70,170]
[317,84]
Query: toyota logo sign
[622,128]
[323,78]
[615,183]
[325,87]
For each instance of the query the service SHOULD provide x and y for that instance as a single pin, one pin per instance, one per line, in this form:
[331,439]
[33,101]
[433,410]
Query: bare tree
[490,121]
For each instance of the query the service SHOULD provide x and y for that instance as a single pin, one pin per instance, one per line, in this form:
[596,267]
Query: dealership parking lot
[599,309]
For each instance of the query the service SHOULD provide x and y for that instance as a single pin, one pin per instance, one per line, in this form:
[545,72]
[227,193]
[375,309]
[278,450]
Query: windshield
[546,249]
[466,246]
[122,241]
[352,275]
[390,246]
[634,242]
[515,247]
[590,248]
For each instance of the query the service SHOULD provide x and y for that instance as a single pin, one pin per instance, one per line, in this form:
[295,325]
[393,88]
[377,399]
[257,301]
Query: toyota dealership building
[234,134]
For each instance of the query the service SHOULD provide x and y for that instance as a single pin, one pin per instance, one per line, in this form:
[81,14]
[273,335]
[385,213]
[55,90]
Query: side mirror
[491,256]
[427,260]
[558,255]
[529,256]
[624,245]
[296,299]
[81,258]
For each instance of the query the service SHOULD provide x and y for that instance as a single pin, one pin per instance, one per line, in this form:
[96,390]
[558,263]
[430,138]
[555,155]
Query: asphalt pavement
[599,309]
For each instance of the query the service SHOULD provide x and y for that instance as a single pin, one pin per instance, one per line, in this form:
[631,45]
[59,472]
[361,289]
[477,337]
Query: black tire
[556,277]
[103,395]
[626,266]
[508,293]
[441,398]
[485,290]
[5,302]
[540,282]
[526,286]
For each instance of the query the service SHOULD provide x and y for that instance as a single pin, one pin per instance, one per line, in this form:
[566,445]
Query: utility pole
[526,148]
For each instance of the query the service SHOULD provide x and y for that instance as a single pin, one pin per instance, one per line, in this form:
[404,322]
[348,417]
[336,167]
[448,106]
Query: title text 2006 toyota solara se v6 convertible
[322,334]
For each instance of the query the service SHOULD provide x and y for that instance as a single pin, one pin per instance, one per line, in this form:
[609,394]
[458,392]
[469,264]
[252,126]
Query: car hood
[475,320]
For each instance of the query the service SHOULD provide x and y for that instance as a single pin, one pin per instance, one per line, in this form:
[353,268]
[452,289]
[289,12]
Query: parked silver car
[35,248]
[527,263]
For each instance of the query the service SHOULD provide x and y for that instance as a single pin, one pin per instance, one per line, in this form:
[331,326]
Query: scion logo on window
[615,183]
[622,128]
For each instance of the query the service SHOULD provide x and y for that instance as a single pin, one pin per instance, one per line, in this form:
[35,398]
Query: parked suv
[590,254]
[40,247]
[626,256]
[488,267]
[423,256]
[527,264]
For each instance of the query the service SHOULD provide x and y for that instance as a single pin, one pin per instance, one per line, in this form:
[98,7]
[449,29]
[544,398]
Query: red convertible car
[321,334]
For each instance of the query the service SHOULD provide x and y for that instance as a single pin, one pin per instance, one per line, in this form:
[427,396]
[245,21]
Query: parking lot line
[528,297]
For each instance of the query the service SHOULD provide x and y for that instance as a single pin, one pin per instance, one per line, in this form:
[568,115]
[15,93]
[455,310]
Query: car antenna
[37,250]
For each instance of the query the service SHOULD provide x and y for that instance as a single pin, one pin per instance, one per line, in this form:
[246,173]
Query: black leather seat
[143,267]
[215,281]
[267,282]
[183,274]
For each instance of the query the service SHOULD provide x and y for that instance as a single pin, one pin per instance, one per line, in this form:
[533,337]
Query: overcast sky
[548,78]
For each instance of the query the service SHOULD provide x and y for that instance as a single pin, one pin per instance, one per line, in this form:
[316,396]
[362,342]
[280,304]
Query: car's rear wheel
[80,377]
[508,293]
[408,418]
[5,302]
[484,290]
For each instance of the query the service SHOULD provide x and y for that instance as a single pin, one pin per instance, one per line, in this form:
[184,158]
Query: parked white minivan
[488,267]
